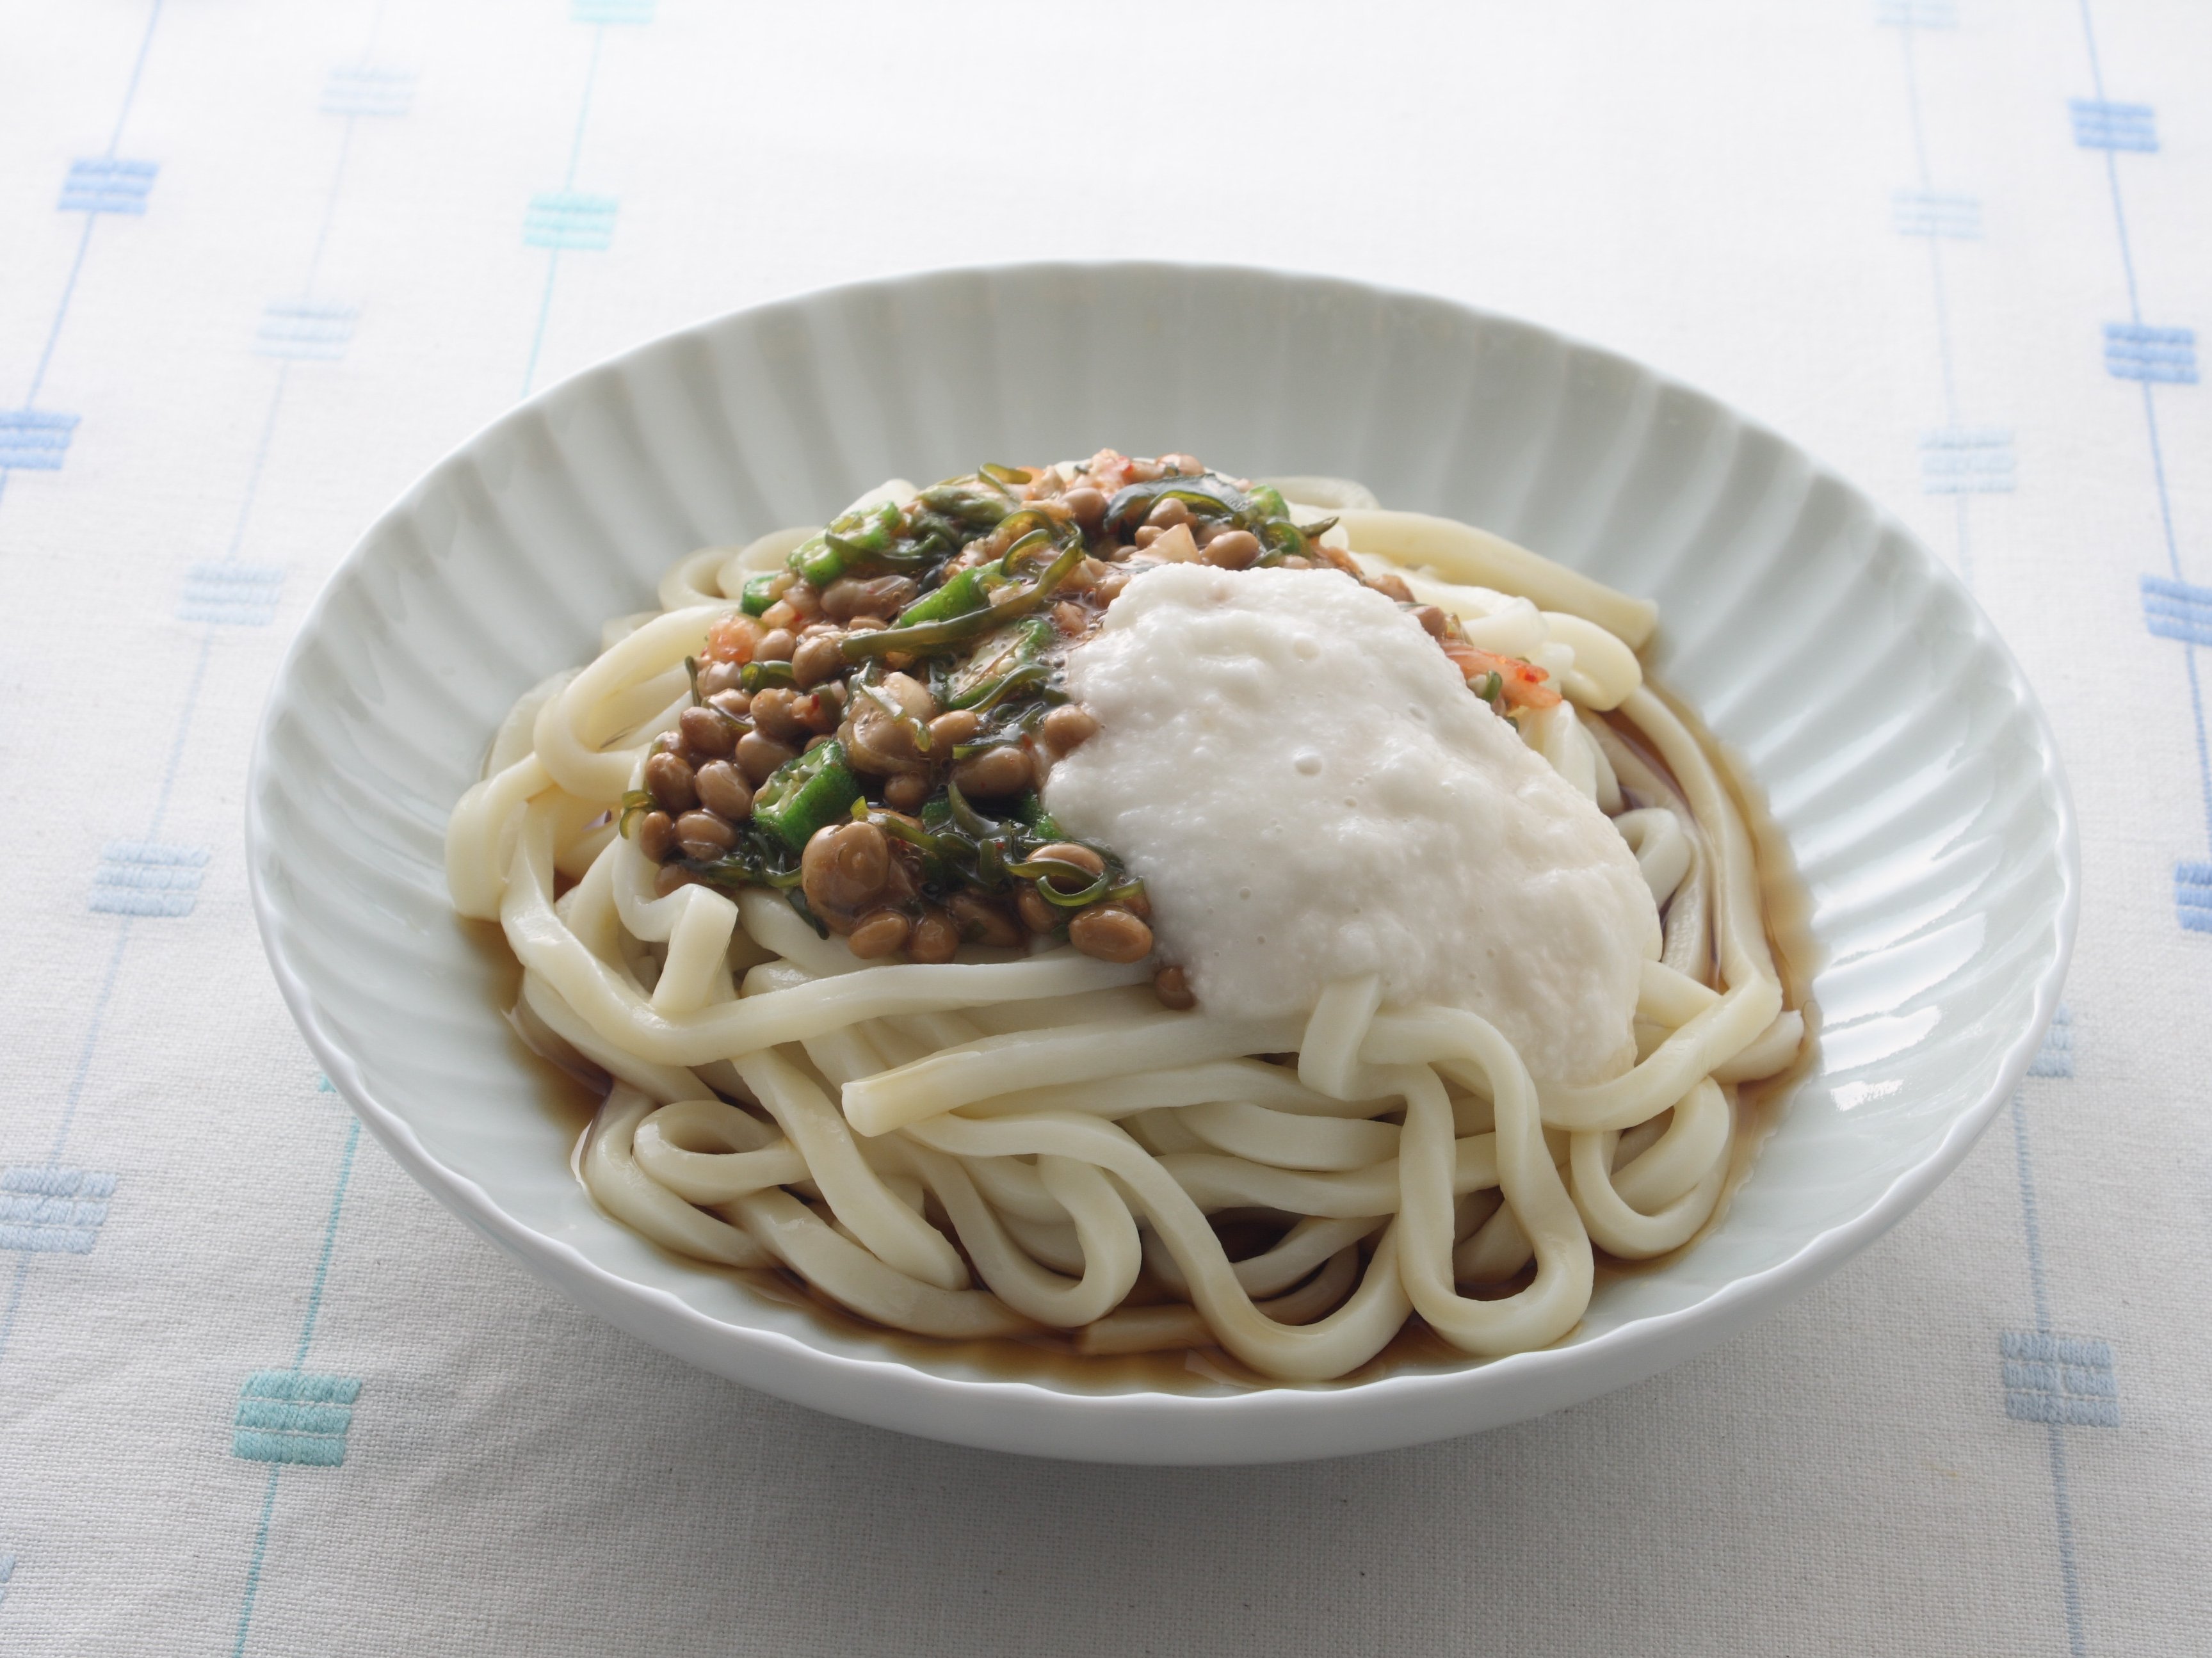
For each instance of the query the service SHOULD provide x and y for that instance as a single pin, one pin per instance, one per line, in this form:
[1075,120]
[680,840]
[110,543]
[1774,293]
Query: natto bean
[993,772]
[1037,914]
[707,732]
[1233,550]
[880,932]
[715,677]
[1087,506]
[818,712]
[950,729]
[671,783]
[1393,587]
[758,755]
[934,938]
[1068,727]
[817,659]
[723,790]
[1110,933]
[703,835]
[845,867]
[775,713]
[909,791]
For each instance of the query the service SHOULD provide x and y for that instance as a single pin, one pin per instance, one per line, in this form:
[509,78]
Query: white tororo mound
[1309,790]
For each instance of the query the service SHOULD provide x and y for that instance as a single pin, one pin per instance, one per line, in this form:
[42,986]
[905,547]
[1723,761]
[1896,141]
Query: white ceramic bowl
[1899,748]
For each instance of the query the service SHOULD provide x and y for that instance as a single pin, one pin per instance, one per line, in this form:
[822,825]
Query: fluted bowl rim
[296,878]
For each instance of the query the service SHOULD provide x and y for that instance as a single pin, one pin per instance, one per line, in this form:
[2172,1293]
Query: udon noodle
[1011,1137]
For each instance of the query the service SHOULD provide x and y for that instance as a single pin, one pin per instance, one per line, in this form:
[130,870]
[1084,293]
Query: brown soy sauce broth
[570,1091]
[1786,908]
[1049,1358]
[566,1091]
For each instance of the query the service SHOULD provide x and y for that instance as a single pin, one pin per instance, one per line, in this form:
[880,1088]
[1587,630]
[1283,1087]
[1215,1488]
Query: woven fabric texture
[261,263]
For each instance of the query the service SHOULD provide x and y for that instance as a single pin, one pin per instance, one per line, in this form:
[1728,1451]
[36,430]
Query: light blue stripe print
[362,90]
[308,1450]
[294,1416]
[2178,610]
[2100,125]
[37,440]
[1967,460]
[298,1415]
[46,1210]
[1948,213]
[306,330]
[139,877]
[231,594]
[1917,13]
[2192,896]
[2055,1057]
[570,220]
[330,1243]
[2065,1379]
[302,1385]
[2152,357]
[2135,351]
[104,184]
[34,440]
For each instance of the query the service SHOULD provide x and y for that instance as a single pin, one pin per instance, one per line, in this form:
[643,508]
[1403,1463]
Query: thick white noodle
[1460,553]
[1322,492]
[999,1147]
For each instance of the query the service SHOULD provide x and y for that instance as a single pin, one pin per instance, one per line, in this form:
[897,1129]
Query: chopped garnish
[806,794]
[1496,679]
[900,685]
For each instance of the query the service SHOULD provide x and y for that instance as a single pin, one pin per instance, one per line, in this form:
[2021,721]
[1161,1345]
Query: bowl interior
[1898,749]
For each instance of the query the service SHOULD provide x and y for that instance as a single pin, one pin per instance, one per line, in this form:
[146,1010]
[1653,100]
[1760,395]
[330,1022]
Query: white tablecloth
[260,263]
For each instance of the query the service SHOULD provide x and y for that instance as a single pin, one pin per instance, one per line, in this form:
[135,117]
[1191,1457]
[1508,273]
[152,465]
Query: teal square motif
[294,1416]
